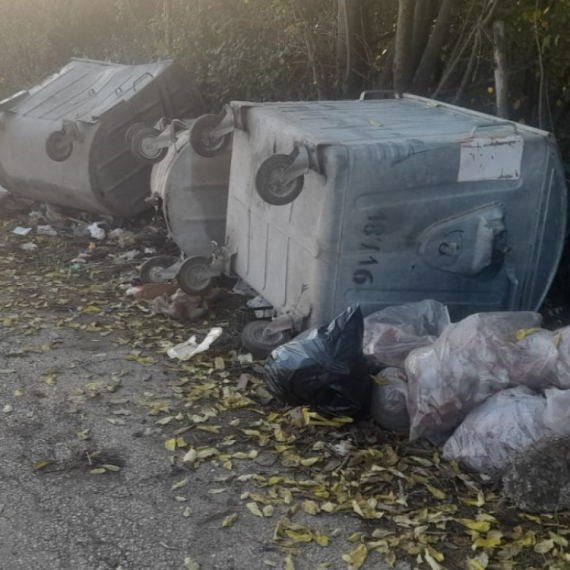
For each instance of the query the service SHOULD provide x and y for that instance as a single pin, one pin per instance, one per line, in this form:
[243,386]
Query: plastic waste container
[389,201]
[192,191]
[65,141]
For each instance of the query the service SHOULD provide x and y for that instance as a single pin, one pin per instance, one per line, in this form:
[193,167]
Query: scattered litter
[20,231]
[468,363]
[116,233]
[30,246]
[510,421]
[46,231]
[324,368]
[389,400]
[259,301]
[7,409]
[245,358]
[4,196]
[242,288]
[125,257]
[95,231]
[391,334]
[180,306]
[133,291]
[190,348]
[54,214]
[151,291]
[81,259]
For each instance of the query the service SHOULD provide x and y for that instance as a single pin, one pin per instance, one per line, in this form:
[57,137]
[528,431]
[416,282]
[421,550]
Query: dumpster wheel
[144,147]
[132,130]
[151,268]
[55,150]
[260,342]
[201,138]
[270,184]
[189,279]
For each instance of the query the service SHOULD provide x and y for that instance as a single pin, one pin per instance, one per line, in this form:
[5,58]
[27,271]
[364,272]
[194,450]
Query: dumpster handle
[364,95]
[495,124]
[137,81]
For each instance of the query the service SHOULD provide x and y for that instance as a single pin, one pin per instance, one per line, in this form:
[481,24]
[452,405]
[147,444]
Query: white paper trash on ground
[190,348]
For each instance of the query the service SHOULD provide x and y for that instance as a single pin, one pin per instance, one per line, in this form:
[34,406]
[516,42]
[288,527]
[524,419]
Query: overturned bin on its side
[192,192]
[388,201]
[69,141]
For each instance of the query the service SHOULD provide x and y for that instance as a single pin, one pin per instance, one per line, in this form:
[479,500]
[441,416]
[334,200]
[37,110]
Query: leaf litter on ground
[413,506]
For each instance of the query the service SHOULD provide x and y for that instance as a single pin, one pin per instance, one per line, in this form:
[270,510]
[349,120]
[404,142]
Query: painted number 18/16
[372,233]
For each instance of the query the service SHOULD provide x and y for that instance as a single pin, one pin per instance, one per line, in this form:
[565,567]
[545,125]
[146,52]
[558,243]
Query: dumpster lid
[84,90]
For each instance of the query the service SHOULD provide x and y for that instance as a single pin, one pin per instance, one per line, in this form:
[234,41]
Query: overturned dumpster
[389,201]
[192,192]
[69,140]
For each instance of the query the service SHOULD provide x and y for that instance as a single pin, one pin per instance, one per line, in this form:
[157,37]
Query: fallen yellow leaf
[42,463]
[356,556]
[254,509]
[229,520]
[180,484]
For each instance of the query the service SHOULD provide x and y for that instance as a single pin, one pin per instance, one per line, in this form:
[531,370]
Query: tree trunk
[425,12]
[432,52]
[403,71]
[386,79]
[351,49]
[167,31]
[501,82]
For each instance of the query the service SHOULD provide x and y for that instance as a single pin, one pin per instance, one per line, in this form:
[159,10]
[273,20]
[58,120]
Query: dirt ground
[113,456]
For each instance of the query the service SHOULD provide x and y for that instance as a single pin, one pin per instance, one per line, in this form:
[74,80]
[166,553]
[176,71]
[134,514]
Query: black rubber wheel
[200,136]
[261,343]
[143,146]
[132,130]
[55,149]
[189,280]
[151,267]
[269,181]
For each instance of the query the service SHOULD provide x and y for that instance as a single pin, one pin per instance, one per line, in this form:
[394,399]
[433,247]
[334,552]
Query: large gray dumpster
[193,193]
[384,202]
[65,141]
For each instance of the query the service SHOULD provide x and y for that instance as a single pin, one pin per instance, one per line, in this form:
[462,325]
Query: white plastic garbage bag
[471,361]
[506,423]
[388,405]
[392,333]
[562,370]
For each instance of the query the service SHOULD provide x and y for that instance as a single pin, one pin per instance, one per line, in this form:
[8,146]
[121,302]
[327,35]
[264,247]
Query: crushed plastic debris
[20,231]
[131,291]
[95,231]
[46,231]
[30,246]
[125,257]
[190,348]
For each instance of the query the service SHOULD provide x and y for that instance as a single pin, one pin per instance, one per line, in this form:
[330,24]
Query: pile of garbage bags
[488,386]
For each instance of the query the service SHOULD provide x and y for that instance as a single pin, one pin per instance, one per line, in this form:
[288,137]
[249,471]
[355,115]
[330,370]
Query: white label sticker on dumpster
[491,159]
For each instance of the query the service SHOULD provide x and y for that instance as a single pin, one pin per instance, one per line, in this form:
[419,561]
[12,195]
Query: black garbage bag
[324,368]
